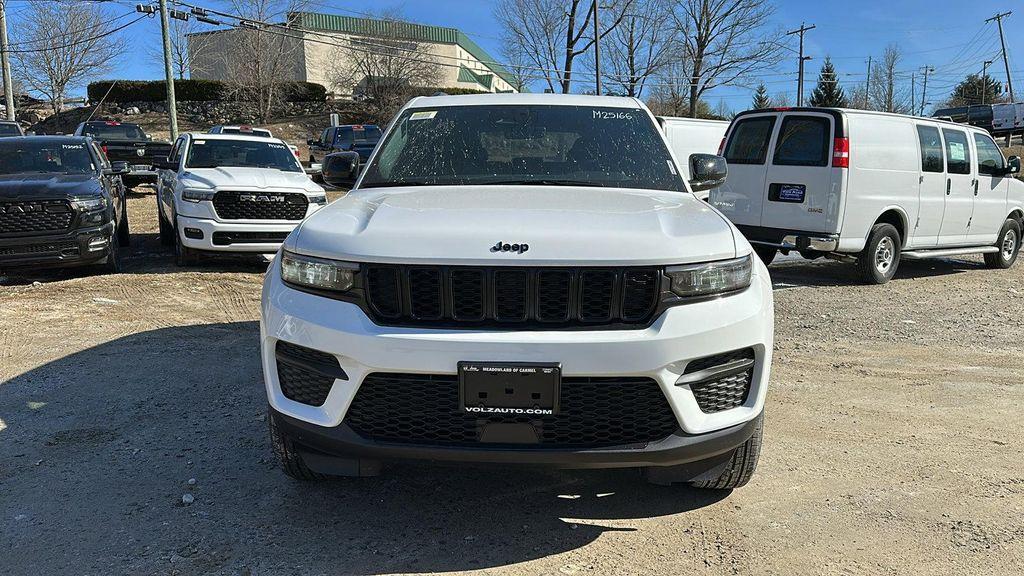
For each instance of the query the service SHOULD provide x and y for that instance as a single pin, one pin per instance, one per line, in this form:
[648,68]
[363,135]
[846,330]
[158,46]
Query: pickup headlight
[317,272]
[91,204]
[318,199]
[710,277]
[197,194]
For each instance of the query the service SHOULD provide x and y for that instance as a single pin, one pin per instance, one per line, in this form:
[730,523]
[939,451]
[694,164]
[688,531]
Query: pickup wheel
[166,230]
[881,256]
[124,235]
[1008,244]
[741,465]
[112,263]
[766,253]
[290,459]
[183,255]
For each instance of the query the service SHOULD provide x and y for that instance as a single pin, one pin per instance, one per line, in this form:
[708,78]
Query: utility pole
[800,81]
[597,51]
[984,79]
[172,105]
[924,89]
[5,62]
[1006,62]
[867,86]
[913,88]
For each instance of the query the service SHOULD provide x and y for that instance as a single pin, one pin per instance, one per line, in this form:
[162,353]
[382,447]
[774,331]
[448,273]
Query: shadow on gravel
[822,272]
[97,449]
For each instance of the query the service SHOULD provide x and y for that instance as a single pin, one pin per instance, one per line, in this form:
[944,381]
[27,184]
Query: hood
[247,178]
[48,186]
[561,225]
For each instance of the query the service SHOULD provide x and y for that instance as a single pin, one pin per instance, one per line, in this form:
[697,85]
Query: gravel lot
[890,444]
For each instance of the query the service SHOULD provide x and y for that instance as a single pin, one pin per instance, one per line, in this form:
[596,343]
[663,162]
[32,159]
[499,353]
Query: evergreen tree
[970,91]
[761,98]
[828,93]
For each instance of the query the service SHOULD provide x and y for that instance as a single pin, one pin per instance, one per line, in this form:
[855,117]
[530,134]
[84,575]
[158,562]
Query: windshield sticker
[73,146]
[278,146]
[606,115]
[428,115]
[956,152]
[198,142]
[671,167]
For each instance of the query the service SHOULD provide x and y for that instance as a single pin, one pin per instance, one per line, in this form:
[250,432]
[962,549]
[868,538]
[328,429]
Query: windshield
[23,156]
[10,130]
[241,154]
[534,144]
[113,131]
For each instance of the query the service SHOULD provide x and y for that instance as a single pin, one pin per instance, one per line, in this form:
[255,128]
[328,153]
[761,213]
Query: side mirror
[118,168]
[341,169]
[310,141]
[164,164]
[1013,165]
[707,171]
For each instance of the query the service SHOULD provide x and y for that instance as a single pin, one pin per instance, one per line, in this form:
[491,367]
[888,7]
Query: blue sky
[949,36]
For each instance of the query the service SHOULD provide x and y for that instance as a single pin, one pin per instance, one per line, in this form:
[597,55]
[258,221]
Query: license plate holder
[509,388]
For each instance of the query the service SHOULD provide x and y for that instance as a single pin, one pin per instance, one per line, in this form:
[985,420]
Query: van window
[931,148]
[803,141]
[749,141]
[958,153]
[990,159]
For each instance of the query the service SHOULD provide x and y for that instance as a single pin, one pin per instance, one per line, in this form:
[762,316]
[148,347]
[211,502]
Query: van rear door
[802,189]
[746,151]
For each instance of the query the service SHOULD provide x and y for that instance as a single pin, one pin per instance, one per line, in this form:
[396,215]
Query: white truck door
[959,188]
[746,152]
[799,188]
[932,193]
[991,188]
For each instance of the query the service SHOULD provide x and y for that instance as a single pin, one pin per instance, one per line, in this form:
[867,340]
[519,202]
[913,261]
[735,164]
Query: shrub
[191,91]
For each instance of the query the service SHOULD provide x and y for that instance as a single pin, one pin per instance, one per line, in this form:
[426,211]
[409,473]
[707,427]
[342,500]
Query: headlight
[91,204]
[320,199]
[710,277]
[197,194]
[317,272]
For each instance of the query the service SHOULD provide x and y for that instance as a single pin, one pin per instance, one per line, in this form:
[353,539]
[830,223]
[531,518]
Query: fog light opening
[98,243]
[194,233]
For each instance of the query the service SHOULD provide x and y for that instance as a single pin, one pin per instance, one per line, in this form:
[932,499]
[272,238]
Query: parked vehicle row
[997,119]
[129,143]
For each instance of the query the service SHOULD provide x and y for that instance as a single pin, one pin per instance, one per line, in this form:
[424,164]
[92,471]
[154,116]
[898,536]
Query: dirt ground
[891,444]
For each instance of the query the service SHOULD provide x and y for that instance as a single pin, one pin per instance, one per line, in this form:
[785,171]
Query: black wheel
[112,263]
[881,256]
[766,253]
[1008,244]
[741,465]
[166,230]
[289,458]
[183,255]
[124,235]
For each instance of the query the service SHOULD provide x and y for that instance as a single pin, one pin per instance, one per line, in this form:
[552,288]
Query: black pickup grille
[548,297]
[241,205]
[42,216]
[593,412]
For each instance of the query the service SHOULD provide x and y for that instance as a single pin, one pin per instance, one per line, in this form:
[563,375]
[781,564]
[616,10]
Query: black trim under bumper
[55,251]
[679,448]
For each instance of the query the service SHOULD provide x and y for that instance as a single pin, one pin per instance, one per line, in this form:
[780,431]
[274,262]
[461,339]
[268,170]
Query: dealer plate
[509,388]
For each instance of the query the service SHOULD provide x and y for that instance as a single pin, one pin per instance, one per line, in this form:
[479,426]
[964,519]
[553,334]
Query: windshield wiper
[544,182]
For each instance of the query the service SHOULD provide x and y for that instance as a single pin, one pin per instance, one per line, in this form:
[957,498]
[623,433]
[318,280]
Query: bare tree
[670,95]
[640,46]
[888,92]
[519,67]
[62,44]
[263,55]
[724,41]
[187,46]
[553,33]
[781,100]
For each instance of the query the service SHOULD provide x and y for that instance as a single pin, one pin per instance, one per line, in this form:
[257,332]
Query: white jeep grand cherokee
[231,193]
[520,279]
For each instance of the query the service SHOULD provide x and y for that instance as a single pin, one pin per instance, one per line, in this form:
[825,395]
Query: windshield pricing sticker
[607,115]
[671,167]
[957,152]
[428,115]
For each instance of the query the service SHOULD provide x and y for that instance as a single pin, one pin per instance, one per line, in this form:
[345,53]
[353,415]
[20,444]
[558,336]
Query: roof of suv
[246,137]
[522,99]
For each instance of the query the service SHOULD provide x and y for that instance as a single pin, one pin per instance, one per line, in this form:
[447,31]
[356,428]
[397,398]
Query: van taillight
[841,153]
[721,146]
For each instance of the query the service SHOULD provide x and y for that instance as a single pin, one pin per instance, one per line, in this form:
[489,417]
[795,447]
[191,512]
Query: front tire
[124,235]
[112,264]
[288,457]
[881,256]
[1008,244]
[183,255]
[741,465]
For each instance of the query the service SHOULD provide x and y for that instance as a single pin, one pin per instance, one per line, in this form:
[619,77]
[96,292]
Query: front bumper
[659,352]
[78,247]
[233,237]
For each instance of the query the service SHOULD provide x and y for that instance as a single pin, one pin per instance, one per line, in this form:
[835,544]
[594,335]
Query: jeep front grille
[35,216]
[593,412]
[243,205]
[511,296]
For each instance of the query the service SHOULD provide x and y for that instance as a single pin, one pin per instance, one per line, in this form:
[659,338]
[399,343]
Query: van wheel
[1008,244]
[741,465]
[766,253]
[881,257]
[289,458]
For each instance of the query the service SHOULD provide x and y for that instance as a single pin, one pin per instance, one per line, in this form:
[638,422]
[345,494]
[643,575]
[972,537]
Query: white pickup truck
[520,279]
[231,193]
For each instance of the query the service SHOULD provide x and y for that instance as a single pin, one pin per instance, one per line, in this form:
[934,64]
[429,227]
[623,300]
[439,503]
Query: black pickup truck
[124,142]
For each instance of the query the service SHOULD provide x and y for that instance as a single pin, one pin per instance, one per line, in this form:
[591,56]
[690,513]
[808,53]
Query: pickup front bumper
[78,247]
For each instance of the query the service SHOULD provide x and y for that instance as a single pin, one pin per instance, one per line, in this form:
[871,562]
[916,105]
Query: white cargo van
[692,136]
[870,187]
